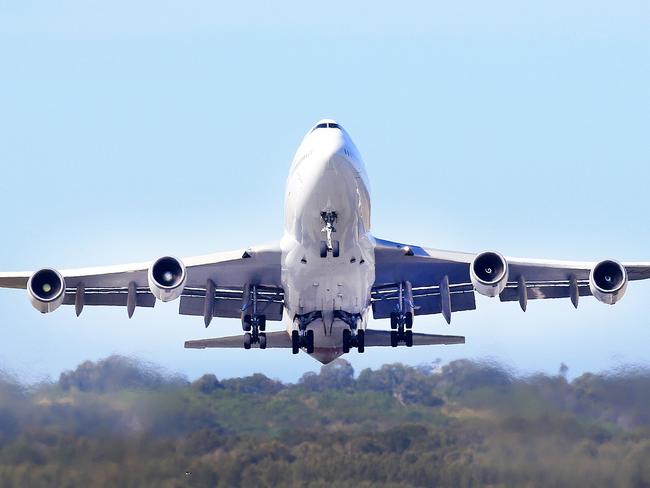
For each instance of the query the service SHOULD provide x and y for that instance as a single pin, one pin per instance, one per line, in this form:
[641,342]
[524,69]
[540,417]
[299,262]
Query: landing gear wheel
[408,338]
[295,342]
[323,249]
[393,320]
[262,341]
[248,340]
[408,320]
[394,338]
[247,323]
[309,339]
[361,341]
[336,247]
[347,336]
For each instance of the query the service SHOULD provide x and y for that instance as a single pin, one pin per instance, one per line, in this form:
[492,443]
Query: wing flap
[426,300]
[228,303]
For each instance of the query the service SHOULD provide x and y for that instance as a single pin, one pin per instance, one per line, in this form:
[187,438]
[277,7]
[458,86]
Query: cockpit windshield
[327,125]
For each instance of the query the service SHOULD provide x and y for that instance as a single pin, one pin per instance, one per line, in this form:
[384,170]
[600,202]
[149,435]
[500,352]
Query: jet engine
[489,273]
[167,278]
[46,290]
[608,281]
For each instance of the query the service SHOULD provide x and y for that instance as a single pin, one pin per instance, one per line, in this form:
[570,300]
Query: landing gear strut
[253,323]
[401,321]
[352,337]
[329,245]
[303,338]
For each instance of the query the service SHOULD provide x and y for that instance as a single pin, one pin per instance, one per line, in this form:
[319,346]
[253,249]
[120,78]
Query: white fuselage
[327,175]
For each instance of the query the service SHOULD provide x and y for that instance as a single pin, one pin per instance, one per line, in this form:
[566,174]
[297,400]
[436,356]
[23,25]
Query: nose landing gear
[329,245]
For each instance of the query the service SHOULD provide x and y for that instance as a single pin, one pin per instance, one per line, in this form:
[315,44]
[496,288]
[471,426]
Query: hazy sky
[129,130]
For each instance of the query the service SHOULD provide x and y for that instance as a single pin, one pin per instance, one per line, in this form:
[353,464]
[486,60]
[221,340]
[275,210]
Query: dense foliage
[121,423]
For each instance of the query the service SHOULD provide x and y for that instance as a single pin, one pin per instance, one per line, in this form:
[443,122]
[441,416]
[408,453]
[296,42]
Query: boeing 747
[328,273]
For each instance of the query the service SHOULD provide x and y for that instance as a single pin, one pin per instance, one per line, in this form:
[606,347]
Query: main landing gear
[253,323]
[352,337]
[254,330]
[329,245]
[401,321]
[303,338]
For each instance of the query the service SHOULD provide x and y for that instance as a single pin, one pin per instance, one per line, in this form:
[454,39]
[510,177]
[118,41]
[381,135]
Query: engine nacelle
[46,290]
[167,278]
[608,281]
[489,273]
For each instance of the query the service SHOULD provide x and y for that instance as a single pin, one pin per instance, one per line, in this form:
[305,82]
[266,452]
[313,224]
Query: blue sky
[128,131]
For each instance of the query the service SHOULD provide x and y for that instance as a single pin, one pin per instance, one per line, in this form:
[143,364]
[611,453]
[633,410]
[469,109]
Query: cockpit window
[327,125]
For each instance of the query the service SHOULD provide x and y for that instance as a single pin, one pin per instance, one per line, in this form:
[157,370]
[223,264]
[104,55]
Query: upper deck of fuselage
[326,140]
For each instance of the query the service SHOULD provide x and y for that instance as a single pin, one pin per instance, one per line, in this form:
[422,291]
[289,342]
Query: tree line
[121,422]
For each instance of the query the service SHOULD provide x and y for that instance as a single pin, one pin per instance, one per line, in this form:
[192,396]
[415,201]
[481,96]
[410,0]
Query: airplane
[327,273]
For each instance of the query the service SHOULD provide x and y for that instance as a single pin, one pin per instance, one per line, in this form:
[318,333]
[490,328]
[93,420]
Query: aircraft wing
[425,269]
[127,285]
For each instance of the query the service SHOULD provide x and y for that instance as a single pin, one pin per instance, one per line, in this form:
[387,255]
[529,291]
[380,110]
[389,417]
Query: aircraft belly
[311,282]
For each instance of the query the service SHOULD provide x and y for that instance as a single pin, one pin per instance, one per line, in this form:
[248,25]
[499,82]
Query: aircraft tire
[247,323]
[346,340]
[261,322]
[336,248]
[394,338]
[247,340]
[408,322]
[393,320]
[361,341]
[309,336]
[408,338]
[262,341]
[323,249]
[295,342]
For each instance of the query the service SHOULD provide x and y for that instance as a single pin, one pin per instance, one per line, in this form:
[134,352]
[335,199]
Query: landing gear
[351,340]
[254,324]
[255,337]
[329,244]
[353,336]
[303,338]
[401,321]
